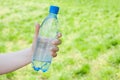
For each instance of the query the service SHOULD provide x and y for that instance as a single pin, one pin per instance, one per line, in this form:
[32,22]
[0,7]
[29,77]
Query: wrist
[29,53]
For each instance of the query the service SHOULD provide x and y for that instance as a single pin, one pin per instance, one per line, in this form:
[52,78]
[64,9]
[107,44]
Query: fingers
[54,50]
[54,54]
[59,35]
[56,42]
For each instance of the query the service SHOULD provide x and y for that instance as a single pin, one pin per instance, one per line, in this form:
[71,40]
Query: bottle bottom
[41,65]
[36,68]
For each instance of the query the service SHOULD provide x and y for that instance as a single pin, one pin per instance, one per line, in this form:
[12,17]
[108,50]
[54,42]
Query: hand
[55,42]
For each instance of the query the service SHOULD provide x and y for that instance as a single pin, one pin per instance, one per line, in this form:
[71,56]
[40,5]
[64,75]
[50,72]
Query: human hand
[55,42]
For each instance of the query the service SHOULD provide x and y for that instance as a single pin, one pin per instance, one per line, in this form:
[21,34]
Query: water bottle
[42,57]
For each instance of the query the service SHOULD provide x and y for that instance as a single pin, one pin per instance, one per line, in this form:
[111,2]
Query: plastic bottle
[42,57]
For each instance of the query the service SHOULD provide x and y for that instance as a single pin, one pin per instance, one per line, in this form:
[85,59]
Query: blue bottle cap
[54,9]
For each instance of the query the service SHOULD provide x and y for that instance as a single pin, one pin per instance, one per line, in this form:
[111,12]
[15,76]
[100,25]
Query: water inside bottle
[42,56]
[41,65]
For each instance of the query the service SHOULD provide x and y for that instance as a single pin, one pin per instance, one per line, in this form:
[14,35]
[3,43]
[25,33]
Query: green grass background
[91,38]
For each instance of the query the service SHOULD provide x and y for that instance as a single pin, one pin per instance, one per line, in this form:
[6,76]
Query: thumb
[37,28]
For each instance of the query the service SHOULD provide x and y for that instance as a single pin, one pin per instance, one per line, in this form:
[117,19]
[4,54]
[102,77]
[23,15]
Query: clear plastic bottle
[42,55]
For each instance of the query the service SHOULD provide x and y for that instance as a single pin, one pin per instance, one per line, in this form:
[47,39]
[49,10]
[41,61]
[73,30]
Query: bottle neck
[53,15]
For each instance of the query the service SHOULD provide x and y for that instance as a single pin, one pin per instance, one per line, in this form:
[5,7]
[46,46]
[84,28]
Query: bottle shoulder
[49,19]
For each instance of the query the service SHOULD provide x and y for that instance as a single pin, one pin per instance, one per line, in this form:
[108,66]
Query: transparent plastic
[42,57]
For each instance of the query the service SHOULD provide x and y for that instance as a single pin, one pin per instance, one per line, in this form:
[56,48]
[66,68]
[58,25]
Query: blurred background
[91,38]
